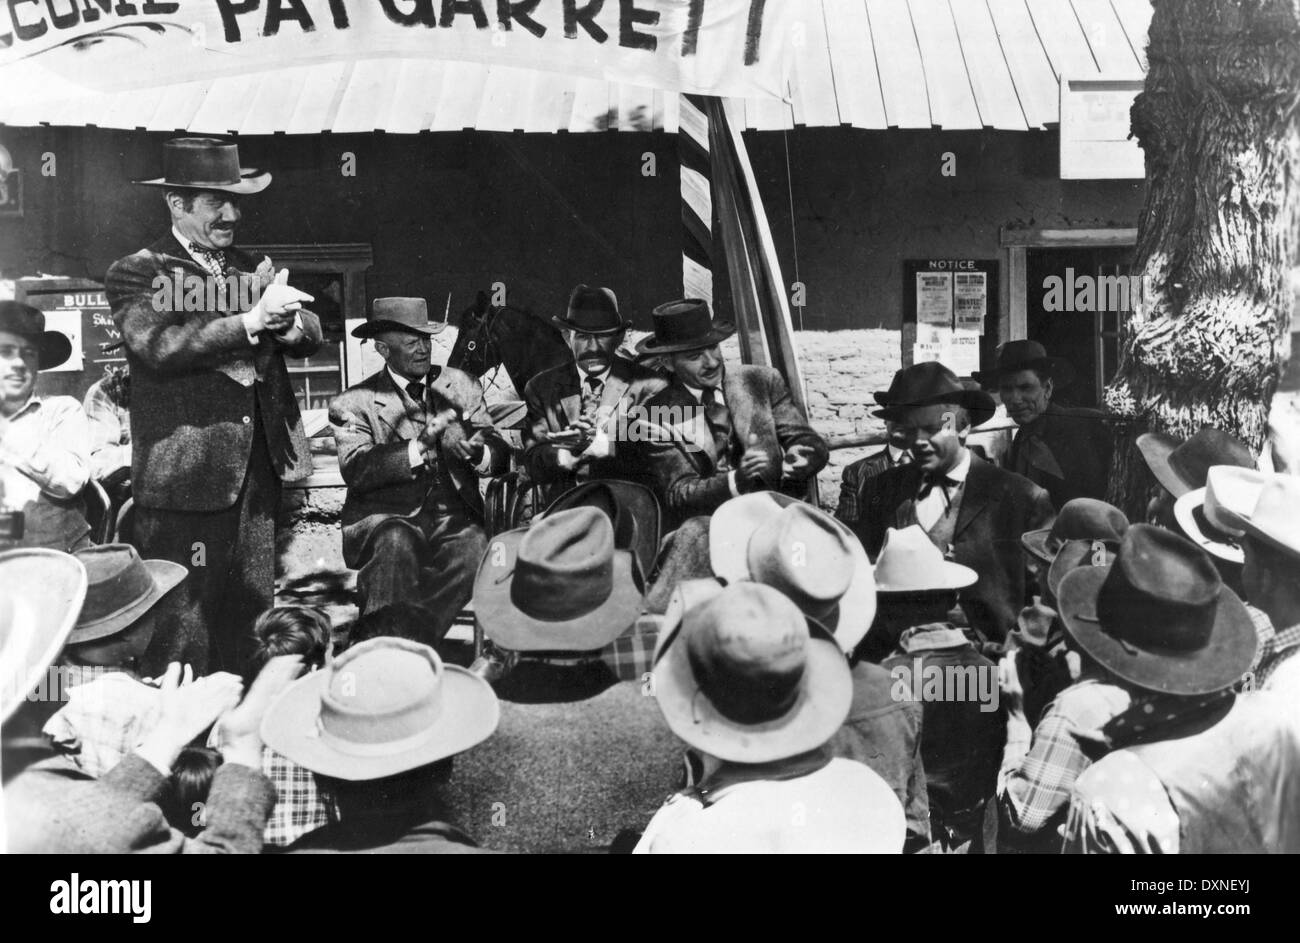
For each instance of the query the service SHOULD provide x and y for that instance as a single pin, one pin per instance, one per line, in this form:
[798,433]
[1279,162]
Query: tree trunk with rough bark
[1217,237]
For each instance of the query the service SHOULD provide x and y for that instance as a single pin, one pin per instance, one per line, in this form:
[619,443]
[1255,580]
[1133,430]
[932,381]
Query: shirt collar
[962,468]
[583,375]
[698,393]
[33,402]
[185,244]
[896,455]
[400,381]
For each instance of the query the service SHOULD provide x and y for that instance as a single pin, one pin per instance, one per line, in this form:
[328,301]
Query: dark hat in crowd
[743,675]
[1182,466]
[1159,617]
[931,383]
[559,585]
[1080,519]
[122,588]
[591,311]
[385,706]
[1073,554]
[41,592]
[1014,356]
[631,507]
[399,314]
[207,164]
[25,321]
[683,325]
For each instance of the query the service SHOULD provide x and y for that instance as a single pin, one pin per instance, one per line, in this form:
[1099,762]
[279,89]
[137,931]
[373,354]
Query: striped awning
[875,64]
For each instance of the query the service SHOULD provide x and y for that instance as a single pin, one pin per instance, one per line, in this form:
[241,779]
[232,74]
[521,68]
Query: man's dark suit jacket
[554,400]
[685,461]
[191,424]
[1080,446]
[855,475]
[374,423]
[997,506]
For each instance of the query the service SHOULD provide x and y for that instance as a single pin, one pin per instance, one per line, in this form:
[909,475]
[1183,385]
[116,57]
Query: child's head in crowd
[291,630]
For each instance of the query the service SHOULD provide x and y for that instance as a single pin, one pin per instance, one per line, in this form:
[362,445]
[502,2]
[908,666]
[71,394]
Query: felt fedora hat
[909,562]
[1182,466]
[1014,356]
[591,311]
[1073,554]
[1275,518]
[122,588]
[559,585]
[1080,519]
[1159,617]
[631,507]
[683,325]
[930,383]
[41,592]
[772,538]
[745,676]
[398,314]
[207,164]
[53,347]
[385,706]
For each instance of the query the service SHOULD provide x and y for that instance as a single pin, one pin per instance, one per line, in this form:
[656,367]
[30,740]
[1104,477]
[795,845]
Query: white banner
[710,47]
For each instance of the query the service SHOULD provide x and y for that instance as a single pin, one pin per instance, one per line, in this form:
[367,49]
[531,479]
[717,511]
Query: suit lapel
[741,405]
[393,409]
[976,495]
[616,385]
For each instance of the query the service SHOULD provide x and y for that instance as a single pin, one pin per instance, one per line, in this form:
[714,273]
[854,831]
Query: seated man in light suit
[574,409]
[412,441]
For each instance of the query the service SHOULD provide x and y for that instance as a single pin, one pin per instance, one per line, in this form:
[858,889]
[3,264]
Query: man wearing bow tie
[972,510]
[215,426]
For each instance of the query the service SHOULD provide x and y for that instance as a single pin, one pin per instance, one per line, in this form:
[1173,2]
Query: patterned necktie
[214,260]
[719,419]
[591,395]
[415,390]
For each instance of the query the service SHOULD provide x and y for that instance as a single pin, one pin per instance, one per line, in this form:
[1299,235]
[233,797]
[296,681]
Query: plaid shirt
[302,805]
[1036,780]
[631,655]
[1281,646]
[107,715]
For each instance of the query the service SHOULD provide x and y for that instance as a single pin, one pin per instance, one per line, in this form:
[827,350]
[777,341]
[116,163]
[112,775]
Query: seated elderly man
[574,409]
[44,441]
[412,441]
[1063,449]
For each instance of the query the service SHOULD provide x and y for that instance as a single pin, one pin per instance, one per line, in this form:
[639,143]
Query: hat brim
[979,404]
[1070,557]
[734,523]
[469,714]
[380,325]
[559,322]
[1219,665]
[251,181]
[1185,509]
[47,589]
[633,499]
[55,349]
[166,577]
[1035,543]
[822,704]
[720,331]
[1061,372]
[1156,448]
[509,627]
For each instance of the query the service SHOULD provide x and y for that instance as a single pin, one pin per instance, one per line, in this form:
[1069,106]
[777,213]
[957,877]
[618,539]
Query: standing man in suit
[1063,449]
[413,439]
[215,427]
[856,474]
[725,431]
[574,409]
[973,511]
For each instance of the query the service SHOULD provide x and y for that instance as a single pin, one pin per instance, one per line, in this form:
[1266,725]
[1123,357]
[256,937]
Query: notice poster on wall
[970,301]
[934,298]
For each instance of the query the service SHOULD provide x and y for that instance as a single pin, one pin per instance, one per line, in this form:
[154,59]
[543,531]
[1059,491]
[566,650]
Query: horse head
[489,336]
[474,351]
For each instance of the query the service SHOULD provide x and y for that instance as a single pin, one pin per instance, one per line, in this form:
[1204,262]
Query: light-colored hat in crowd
[41,592]
[909,562]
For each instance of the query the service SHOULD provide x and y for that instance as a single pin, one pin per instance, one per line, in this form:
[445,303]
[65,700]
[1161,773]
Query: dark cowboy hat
[399,314]
[1183,466]
[26,321]
[632,508]
[1014,356]
[121,589]
[560,585]
[1080,519]
[591,311]
[207,164]
[1159,617]
[928,383]
[683,325]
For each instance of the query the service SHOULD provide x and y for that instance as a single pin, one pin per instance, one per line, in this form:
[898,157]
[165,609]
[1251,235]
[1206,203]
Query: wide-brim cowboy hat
[206,164]
[909,563]
[632,507]
[822,703]
[1275,519]
[1183,465]
[733,524]
[1190,513]
[510,627]
[1225,657]
[1076,553]
[122,588]
[1014,356]
[1079,519]
[683,325]
[41,592]
[53,347]
[466,713]
[399,314]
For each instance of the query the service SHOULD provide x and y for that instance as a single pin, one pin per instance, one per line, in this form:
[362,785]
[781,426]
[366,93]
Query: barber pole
[697,199]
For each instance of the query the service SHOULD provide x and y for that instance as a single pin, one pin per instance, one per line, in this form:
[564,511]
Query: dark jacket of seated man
[555,403]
